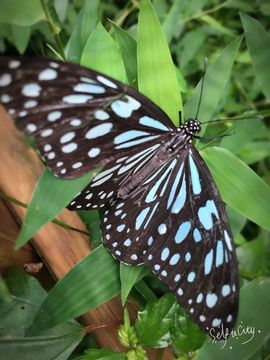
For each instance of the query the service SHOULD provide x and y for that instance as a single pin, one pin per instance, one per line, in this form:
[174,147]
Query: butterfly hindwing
[80,119]
[176,224]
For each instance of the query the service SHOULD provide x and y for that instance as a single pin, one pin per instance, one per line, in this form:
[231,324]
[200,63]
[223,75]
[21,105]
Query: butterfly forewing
[80,118]
[176,224]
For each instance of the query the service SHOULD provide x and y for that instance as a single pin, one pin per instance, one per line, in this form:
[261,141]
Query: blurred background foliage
[194,29]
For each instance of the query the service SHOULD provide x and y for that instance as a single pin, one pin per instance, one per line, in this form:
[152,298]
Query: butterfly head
[193,126]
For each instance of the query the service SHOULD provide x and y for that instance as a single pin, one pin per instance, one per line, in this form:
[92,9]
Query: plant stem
[55,221]
[54,29]
[206,12]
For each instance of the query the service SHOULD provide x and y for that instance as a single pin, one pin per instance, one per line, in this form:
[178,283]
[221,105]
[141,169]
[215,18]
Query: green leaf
[253,256]
[21,36]
[102,54]
[186,335]
[215,24]
[239,186]
[172,18]
[243,133]
[128,49]
[23,12]
[90,283]
[85,24]
[184,51]
[252,328]
[27,295]
[216,78]
[129,275]
[102,354]
[50,196]
[258,42]
[155,321]
[156,73]
[237,221]
[256,151]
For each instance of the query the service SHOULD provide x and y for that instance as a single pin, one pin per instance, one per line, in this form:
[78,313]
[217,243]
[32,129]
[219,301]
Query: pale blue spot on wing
[181,198]
[208,262]
[147,121]
[89,88]
[174,187]
[188,256]
[153,192]
[136,142]
[180,292]
[195,179]
[191,276]
[77,99]
[124,109]
[205,214]
[197,235]
[226,289]
[47,74]
[151,215]
[129,135]
[165,253]
[228,240]
[174,259]
[219,253]
[99,130]
[211,300]
[182,232]
[141,217]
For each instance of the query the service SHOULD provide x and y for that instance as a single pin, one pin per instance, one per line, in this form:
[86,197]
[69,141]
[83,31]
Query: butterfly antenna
[201,92]
[240,118]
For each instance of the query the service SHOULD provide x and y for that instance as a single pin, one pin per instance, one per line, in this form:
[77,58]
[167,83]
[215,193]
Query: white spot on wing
[5,79]
[47,74]
[31,89]
[106,81]
[99,130]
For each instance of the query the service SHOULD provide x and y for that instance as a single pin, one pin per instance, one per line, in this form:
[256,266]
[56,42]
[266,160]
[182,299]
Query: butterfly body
[161,205]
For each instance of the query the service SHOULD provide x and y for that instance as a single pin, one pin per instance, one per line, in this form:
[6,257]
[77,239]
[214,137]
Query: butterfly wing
[80,119]
[176,224]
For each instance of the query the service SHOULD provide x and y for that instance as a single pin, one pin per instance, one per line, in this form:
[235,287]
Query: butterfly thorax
[175,141]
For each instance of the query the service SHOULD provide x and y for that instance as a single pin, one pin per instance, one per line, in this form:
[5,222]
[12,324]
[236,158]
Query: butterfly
[161,205]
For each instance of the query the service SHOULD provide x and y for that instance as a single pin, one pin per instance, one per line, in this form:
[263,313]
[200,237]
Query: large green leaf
[216,78]
[156,74]
[90,283]
[128,49]
[252,328]
[85,24]
[27,295]
[258,41]
[51,195]
[240,187]
[102,54]
[23,12]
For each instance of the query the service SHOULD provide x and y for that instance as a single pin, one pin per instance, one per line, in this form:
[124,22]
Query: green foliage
[51,195]
[26,297]
[136,46]
[83,288]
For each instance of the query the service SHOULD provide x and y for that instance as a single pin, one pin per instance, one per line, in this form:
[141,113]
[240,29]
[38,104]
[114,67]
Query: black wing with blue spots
[175,222]
[162,205]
